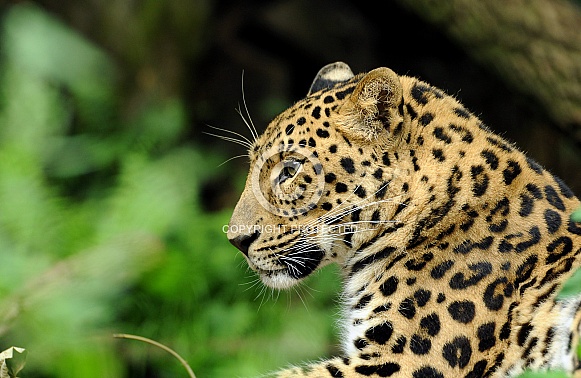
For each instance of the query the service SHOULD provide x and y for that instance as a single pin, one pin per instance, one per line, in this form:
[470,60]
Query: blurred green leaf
[572,285]
[548,374]
[40,44]
[159,125]
[576,216]
[82,154]
[152,194]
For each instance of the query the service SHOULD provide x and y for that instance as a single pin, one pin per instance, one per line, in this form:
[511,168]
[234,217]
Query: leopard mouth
[302,263]
[296,265]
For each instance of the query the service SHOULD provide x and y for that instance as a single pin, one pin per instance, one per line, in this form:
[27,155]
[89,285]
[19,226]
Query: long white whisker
[301,298]
[253,284]
[291,267]
[232,158]
[230,139]
[253,128]
[301,247]
[262,295]
[353,209]
[231,132]
[343,206]
[248,125]
[334,235]
[333,227]
[298,259]
[346,208]
[362,222]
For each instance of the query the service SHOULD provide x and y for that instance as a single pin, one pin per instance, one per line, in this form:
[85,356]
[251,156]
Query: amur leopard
[451,242]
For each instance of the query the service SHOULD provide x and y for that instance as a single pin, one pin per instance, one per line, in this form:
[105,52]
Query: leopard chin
[278,279]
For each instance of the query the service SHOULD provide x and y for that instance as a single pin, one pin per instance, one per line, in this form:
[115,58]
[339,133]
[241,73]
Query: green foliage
[576,216]
[102,230]
[572,286]
[552,374]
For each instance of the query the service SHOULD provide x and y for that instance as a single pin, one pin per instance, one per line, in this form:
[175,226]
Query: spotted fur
[452,243]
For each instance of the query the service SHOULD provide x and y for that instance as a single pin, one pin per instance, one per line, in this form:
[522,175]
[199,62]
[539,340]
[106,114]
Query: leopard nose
[242,242]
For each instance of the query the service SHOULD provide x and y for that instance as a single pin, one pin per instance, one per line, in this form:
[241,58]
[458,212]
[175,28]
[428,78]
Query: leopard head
[320,184]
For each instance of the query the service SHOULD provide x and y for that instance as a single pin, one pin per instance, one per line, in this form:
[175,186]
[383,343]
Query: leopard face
[452,243]
[315,193]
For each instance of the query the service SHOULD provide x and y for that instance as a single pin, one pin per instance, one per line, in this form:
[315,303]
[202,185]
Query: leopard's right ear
[374,107]
[330,75]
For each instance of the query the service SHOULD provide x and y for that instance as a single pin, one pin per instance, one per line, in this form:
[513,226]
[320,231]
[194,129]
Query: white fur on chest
[355,321]
[561,355]
[355,327]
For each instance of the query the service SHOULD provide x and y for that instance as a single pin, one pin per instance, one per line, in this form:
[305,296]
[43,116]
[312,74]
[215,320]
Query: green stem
[155,343]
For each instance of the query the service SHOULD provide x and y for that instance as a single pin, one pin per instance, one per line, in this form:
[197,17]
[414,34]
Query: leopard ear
[330,75]
[374,107]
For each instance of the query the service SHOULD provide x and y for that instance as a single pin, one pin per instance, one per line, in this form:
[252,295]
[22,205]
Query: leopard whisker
[292,256]
[355,208]
[272,296]
[297,291]
[261,296]
[336,236]
[362,222]
[299,259]
[232,158]
[243,143]
[293,268]
[252,284]
[250,126]
[356,205]
[243,138]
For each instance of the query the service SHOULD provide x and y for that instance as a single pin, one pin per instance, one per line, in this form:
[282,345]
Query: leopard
[452,244]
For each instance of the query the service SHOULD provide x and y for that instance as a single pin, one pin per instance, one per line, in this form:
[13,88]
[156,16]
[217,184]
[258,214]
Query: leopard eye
[289,170]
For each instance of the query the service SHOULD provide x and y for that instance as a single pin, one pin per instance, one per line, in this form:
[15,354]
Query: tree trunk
[534,45]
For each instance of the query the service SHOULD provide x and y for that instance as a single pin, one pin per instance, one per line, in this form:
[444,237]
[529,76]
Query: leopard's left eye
[289,170]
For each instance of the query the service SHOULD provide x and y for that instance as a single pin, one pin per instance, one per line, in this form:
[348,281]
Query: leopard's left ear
[374,107]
